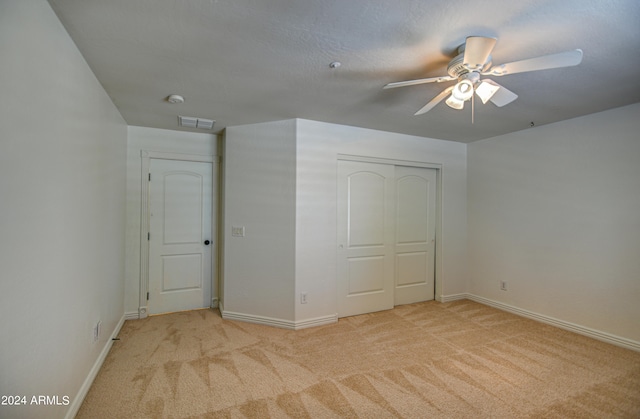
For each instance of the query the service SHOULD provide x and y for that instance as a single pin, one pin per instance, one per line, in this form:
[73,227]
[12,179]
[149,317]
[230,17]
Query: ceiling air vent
[192,122]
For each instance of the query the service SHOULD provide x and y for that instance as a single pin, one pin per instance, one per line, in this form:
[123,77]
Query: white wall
[555,212]
[259,194]
[62,211]
[156,140]
[280,183]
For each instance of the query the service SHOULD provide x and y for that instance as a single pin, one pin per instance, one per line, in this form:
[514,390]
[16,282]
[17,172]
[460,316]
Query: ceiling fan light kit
[473,61]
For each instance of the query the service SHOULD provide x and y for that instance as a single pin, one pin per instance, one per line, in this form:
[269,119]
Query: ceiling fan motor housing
[456,68]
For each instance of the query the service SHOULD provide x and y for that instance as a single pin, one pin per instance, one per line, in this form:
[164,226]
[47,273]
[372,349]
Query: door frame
[146,156]
[439,173]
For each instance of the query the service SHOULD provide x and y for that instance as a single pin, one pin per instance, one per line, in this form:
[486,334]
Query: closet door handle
[206,242]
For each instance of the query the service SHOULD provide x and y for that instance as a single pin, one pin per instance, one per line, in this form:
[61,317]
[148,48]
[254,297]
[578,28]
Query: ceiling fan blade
[502,96]
[418,81]
[545,62]
[477,50]
[426,108]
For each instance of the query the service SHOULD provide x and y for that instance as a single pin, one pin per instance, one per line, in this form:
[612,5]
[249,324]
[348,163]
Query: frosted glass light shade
[454,102]
[463,90]
[486,90]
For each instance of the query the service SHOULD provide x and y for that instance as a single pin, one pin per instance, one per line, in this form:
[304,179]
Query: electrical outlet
[503,285]
[303,298]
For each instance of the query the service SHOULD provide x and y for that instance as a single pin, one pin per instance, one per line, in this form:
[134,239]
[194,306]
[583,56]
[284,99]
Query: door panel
[366,209]
[366,274]
[411,268]
[415,234]
[180,199]
[183,207]
[412,202]
[181,272]
[365,234]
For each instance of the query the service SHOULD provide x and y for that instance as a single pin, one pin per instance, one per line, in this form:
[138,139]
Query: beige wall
[259,195]
[62,212]
[555,212]
[280,183]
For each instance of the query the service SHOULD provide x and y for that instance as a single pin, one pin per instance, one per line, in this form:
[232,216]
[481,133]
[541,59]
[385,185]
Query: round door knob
[206,242]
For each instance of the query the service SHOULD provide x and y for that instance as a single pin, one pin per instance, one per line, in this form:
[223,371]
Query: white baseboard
[317,321]
[572,327]
[250,318]
[131,315]
[74,406]
[451,297]
[283,324]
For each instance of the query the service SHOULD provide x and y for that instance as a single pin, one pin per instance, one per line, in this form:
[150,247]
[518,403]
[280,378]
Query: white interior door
[415,190]
[180,255]
[365,237]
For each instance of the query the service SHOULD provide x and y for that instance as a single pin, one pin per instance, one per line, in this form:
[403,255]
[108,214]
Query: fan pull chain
[473,108]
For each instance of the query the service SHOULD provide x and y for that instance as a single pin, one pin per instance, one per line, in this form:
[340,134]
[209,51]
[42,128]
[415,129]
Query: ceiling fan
[473,61]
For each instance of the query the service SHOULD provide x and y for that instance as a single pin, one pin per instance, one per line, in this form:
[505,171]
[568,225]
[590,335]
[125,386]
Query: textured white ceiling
[248,61]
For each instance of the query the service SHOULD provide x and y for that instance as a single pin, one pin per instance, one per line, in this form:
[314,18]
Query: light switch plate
[237,231]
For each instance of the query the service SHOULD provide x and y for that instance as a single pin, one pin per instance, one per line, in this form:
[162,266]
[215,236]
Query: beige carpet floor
[426,360]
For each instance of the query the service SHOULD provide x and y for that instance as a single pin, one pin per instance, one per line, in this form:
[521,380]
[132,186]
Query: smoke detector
[175,99]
